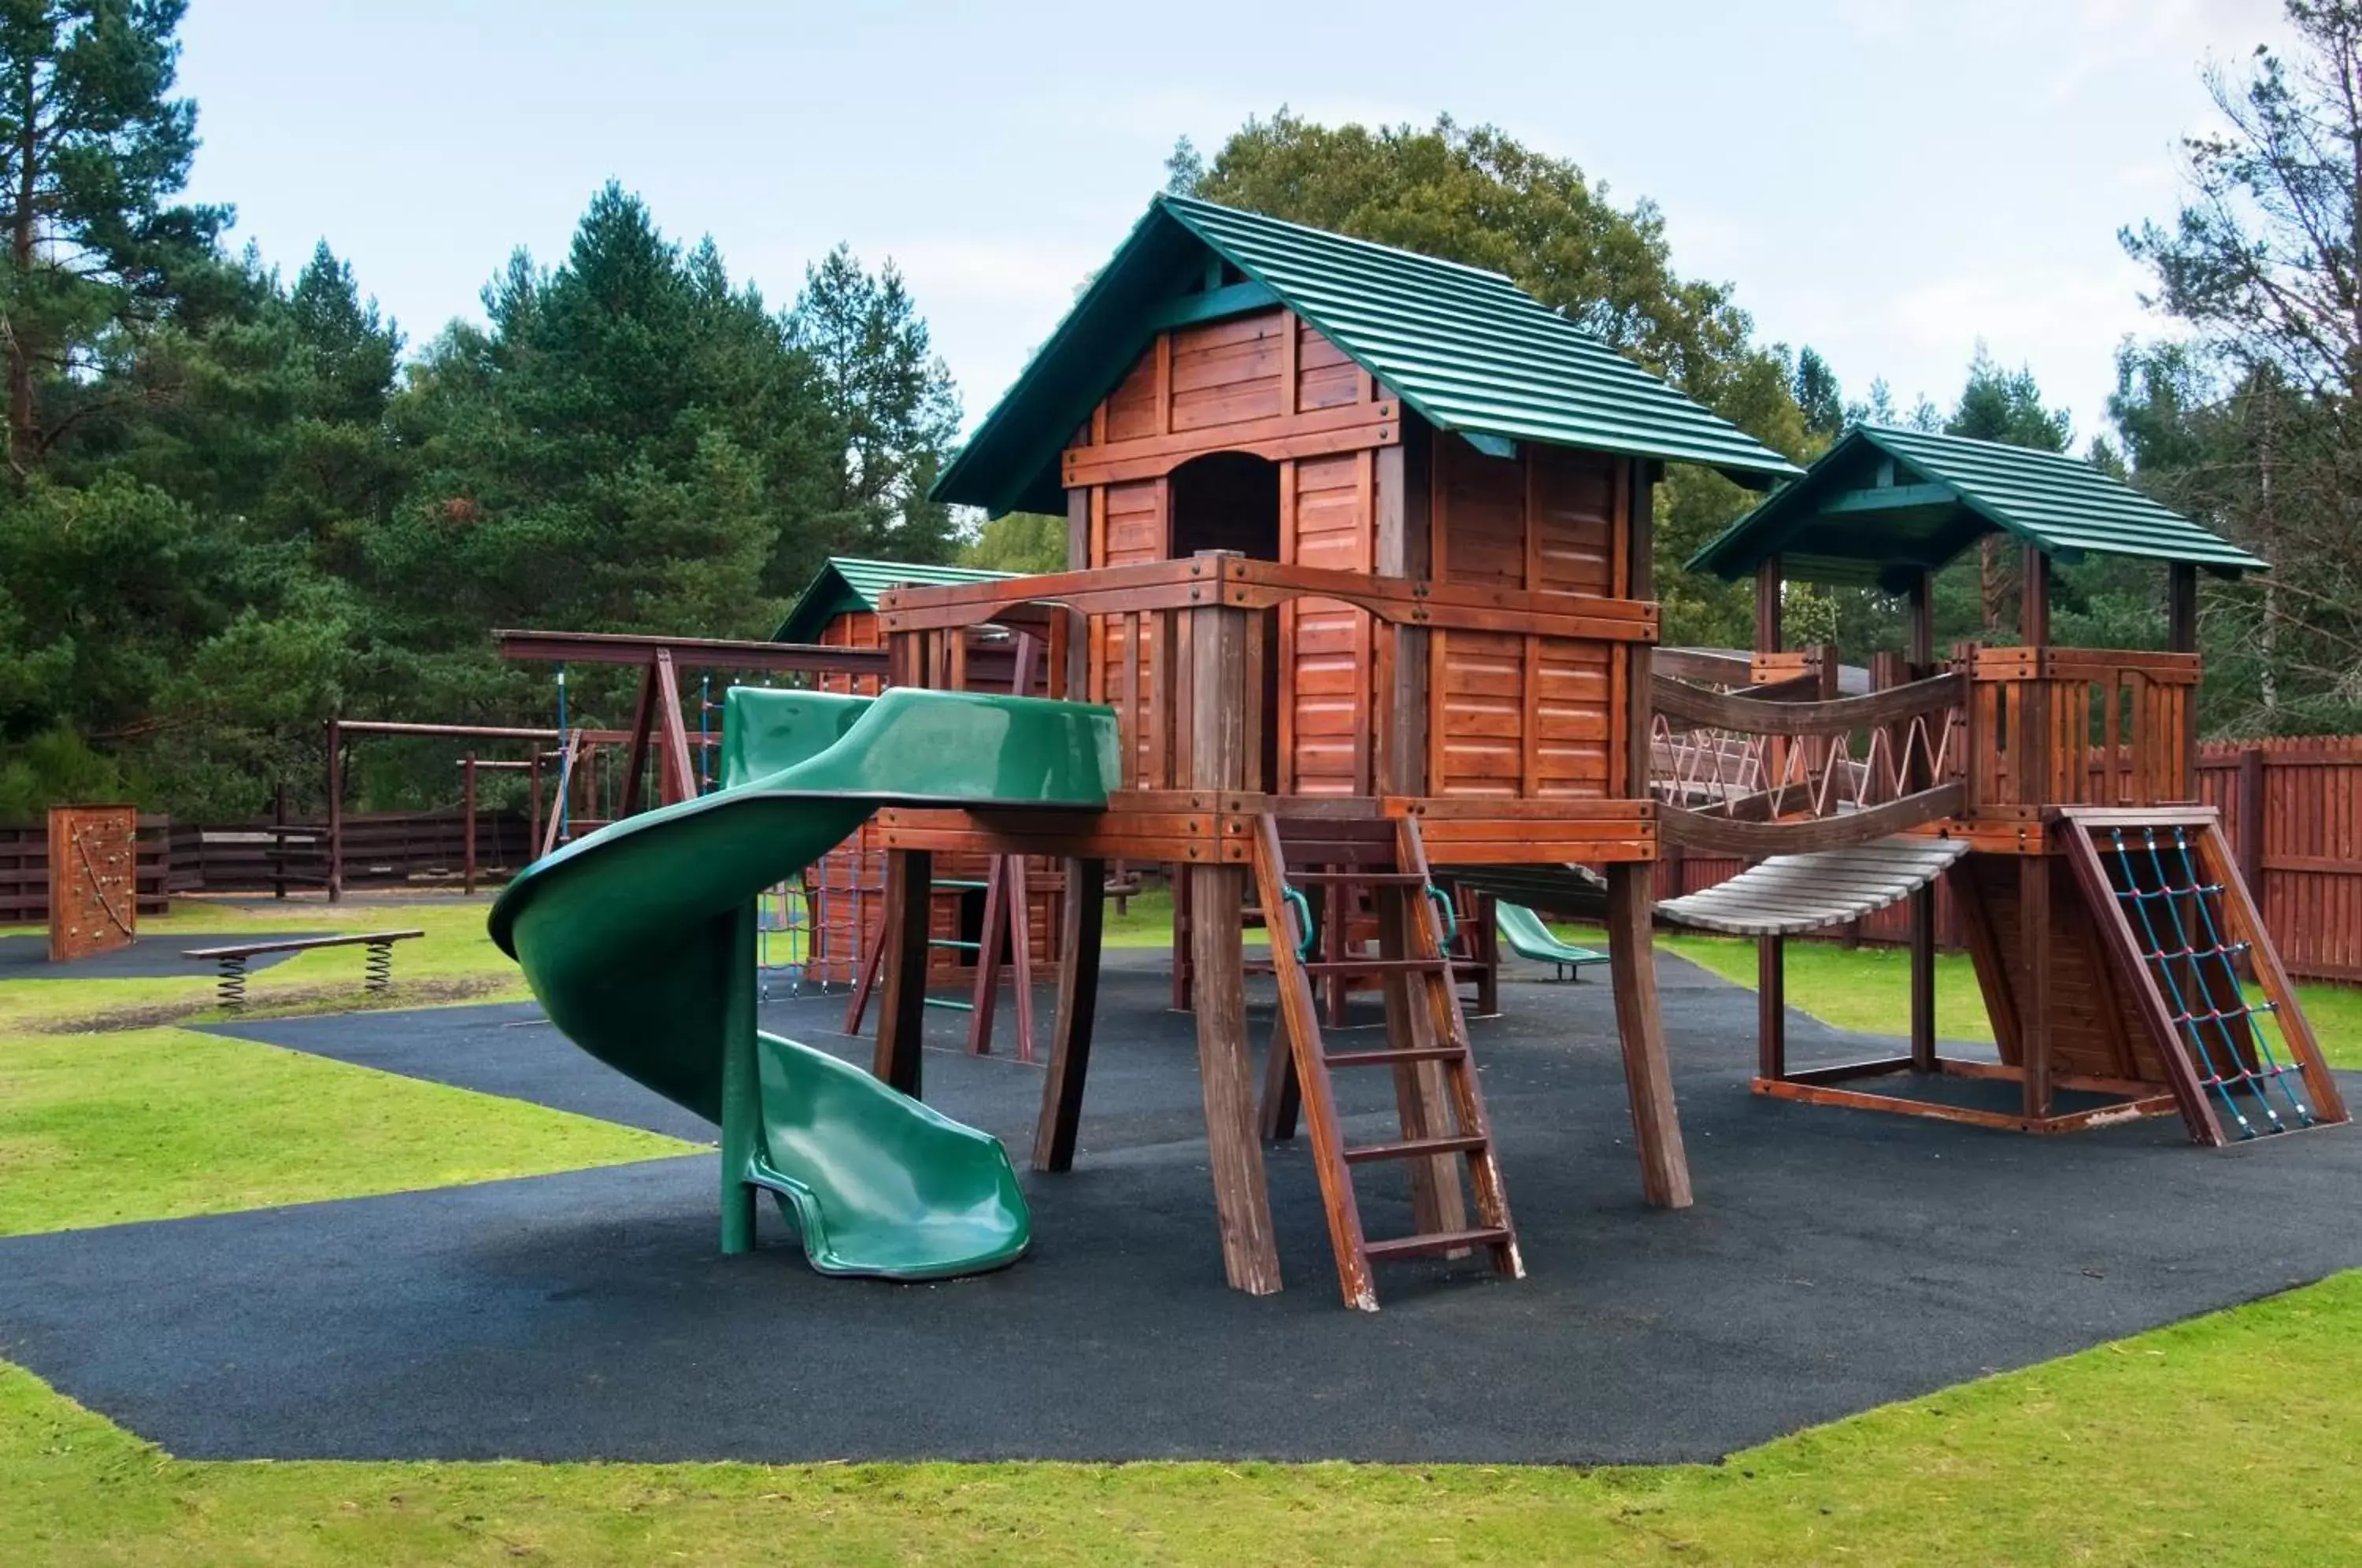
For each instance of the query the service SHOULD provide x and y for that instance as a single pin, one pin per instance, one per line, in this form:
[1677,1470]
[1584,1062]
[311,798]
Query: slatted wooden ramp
[1788,894]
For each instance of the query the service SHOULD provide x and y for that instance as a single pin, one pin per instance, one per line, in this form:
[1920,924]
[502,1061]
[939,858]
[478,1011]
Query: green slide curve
[639,941]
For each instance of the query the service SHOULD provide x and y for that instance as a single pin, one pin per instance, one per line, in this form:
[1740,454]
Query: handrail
[1233,581]
[1826,717]
[1722,835]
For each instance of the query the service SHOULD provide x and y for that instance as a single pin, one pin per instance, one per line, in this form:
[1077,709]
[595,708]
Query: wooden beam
[902,1013]
[1641,1030]
[1890,498]
[1081,927]
[2181,607]
[689,653]
[1213,305]
[1218,647]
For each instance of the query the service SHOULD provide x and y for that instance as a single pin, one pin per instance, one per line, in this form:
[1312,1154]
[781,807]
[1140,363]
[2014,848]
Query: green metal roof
[1884,505]
[1466,348]
[850,583]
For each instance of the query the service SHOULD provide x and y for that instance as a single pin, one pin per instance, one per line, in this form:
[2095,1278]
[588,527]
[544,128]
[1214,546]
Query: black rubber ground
[28,957]
[1834,1261]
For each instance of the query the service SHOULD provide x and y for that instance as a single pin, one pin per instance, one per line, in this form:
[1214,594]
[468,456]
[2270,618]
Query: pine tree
[91,150]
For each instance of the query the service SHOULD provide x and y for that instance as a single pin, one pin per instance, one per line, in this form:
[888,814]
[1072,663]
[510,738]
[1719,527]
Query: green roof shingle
[1467,349]
[853,582]
[1883,503]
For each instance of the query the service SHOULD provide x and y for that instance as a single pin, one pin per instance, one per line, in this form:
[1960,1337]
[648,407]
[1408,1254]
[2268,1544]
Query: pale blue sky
[1887,180]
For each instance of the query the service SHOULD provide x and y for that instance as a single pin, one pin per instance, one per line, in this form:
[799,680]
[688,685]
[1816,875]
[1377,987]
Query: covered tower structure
[1361,555]
[2053,789]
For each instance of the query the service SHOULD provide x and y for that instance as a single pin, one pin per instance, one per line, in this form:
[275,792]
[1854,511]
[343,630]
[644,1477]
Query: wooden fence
[25,870]
[2293,811]
[2291,808]
[383,849]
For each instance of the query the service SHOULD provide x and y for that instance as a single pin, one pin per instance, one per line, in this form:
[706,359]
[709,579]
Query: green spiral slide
[639,941]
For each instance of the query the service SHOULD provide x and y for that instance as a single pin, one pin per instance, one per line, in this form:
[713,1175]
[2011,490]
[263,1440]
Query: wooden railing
[1149,638]
[2079,727]
[1781,770]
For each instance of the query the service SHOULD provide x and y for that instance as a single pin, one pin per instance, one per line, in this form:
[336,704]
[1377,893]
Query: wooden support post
[902,1013]
[1078,991]
[674,768]
[278,841]
[1770,1006]
[2182,636]
[644,714]
[1639,1020]
[1631,898]
[336,812]
[2181,607]
[1770,952]
[1218,646]
[1920,660]
[2033,599]
[2034,977]
[467,823]
[533,801]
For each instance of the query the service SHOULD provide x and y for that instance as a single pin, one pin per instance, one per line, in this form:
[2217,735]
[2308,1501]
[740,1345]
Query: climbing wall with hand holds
[93,879]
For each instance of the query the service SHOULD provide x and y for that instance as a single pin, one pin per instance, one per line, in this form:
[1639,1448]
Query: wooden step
[1365,878]
[1390,1058]
[1377,967]
[1427,1246]
[1415,1148]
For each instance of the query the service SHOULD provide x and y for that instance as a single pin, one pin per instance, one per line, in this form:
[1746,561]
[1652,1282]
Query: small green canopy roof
[1884,505]
[850,583]
[1467,349]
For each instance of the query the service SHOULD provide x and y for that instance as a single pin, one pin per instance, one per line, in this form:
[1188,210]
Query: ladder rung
[1376,966]
[1382,878]
[955,942]
[1414,1148]
[1391,1058]
[1439,1241]
[956,882]
[953,1005]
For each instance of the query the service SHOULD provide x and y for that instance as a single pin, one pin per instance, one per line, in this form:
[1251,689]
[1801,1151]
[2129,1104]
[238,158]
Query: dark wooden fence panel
[25,870]
[387,849]
[2293,811]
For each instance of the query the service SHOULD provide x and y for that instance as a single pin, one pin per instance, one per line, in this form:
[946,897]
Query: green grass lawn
[1869,988]
[156,1123]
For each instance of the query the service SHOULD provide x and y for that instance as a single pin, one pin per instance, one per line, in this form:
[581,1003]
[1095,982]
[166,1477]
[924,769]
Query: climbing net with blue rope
[2175,912]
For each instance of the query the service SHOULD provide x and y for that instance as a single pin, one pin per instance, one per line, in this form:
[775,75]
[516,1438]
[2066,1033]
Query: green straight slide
[639,941]
[1527,935]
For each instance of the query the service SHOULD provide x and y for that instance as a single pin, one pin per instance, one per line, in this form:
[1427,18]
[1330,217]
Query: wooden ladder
[1440,1105]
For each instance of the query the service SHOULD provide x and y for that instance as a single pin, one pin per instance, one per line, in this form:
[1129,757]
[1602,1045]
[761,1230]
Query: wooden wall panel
[1481,516]
[1328,688]
[1574,500]
[1483,699]
[2095,1026]
[1227,371]
[1572,733]
[1325,378]
[1132,407]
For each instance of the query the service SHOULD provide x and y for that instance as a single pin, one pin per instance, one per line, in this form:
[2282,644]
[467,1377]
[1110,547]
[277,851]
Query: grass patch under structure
[158,1123]
[1868,989]
[2227,1439]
